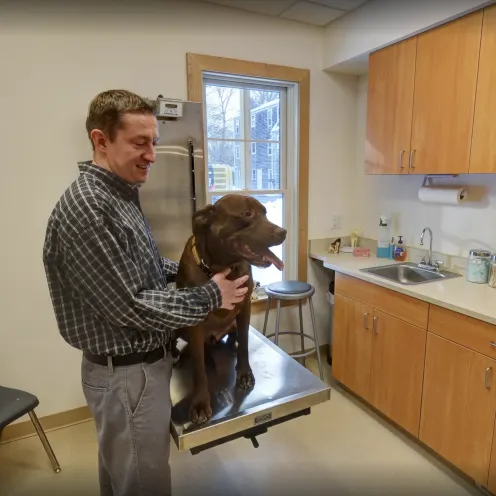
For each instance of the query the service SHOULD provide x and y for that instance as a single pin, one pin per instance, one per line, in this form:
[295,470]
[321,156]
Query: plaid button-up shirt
[107,281]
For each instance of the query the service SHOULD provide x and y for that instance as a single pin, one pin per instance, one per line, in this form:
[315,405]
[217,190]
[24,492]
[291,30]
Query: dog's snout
[281,233]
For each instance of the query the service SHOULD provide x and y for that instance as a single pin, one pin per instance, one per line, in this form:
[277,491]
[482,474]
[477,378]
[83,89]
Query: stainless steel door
[167,197]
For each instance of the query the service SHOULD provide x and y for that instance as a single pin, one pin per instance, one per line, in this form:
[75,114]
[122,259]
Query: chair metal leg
[44,441]
[266,316]
[278,315]
[316,335]
[302,331]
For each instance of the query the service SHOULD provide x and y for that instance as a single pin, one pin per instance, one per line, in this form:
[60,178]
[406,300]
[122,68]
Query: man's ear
[202,219]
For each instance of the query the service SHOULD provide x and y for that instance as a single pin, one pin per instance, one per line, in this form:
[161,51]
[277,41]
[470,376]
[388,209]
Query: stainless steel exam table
[284,390]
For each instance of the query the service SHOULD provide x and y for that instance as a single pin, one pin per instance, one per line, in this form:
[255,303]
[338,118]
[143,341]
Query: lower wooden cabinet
[397,370]
[459,406]
[430,370]
[381,359]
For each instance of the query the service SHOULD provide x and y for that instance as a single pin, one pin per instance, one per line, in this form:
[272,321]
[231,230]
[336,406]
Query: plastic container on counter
[492,271]
[478,263]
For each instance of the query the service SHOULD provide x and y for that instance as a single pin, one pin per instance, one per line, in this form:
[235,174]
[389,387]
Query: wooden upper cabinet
[444,98]
[389,108]
[483,156]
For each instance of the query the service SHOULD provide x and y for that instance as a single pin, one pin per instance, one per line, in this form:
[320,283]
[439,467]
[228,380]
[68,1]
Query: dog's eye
[248,214]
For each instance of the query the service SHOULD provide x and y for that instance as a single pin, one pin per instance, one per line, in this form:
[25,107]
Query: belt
[130,359]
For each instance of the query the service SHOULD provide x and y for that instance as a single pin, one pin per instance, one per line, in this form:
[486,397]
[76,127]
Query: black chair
[15,403]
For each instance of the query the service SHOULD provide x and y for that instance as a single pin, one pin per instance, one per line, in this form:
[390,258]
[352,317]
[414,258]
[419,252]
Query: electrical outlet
[336,222]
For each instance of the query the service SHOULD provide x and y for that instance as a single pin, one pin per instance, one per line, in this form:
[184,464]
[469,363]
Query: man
[108,286]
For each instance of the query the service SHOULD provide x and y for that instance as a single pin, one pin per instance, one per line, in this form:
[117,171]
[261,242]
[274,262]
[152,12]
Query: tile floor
[340,449]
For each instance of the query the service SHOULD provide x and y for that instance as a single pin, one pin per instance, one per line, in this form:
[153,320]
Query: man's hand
[232,292]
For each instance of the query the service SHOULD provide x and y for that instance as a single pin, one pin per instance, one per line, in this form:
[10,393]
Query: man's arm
[170,268]
[108,280]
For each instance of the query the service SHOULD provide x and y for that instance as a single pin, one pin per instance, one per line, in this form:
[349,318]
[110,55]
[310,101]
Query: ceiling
[316,12]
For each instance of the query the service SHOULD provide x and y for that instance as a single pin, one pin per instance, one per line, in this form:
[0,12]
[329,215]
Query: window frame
[198,64]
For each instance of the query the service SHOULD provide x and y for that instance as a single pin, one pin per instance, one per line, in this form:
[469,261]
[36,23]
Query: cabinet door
[389,108]
[398,356]
[491,481]
[444,99]
[458,406]
[483,155]
[352,344]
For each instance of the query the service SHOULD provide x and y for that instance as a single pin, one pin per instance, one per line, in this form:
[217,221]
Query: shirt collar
[109,178]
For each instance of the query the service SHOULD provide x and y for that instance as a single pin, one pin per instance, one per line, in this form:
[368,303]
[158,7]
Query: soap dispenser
[400,251]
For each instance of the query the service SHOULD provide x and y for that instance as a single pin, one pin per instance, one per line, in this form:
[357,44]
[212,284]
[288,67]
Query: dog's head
[238,225]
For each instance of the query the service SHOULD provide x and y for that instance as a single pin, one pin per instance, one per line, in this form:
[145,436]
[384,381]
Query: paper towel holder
[428,178]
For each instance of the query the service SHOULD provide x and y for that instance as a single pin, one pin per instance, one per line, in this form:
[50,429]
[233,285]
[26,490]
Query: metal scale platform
[284,390]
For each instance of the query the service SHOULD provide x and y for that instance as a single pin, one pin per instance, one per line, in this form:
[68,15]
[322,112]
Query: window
[267,165]
[269,118]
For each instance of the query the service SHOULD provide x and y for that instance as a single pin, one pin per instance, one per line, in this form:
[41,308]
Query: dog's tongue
[269,256]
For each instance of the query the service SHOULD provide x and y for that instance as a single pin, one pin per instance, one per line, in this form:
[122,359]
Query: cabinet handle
[411,158]
[486,382]
[365,320]
[374,325]
[492,343]
[401,159]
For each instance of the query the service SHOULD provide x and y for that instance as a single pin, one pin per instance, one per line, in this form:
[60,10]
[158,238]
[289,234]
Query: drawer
[398,305]
[474,334]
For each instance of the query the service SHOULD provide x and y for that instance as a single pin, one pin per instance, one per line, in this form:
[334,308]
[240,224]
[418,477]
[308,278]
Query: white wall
[379,23]
[456,229]
[51,68]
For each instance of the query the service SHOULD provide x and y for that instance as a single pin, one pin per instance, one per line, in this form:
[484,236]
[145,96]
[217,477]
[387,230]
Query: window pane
[265,166]
[265,114]
[223,112]
[275,213]
[226,165]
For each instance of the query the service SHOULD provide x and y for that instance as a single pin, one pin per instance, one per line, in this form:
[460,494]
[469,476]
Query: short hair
[107,108]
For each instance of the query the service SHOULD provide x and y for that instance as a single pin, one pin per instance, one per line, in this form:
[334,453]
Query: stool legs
[278,315]
[302,337]
[267,310]
[44,441]
[316,335]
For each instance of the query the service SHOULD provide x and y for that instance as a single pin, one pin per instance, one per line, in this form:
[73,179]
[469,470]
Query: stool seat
[289,287]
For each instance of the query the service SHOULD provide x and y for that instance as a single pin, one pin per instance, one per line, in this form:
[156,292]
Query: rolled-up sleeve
[109,281]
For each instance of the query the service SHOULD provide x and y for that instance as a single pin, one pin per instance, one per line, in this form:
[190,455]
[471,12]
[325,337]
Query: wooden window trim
[198,63]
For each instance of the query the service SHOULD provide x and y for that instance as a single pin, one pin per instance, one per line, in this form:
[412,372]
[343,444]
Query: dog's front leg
[244,376]
[200,409]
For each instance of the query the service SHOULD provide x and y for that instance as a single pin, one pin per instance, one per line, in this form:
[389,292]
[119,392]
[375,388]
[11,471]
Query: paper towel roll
[448,196]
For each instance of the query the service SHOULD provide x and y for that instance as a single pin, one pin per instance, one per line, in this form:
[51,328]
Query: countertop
[474,300]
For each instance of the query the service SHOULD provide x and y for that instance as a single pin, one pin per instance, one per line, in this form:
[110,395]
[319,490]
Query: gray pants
[131,406]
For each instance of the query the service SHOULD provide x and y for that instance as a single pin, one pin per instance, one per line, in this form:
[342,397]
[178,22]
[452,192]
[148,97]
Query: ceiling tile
[269,7]
[347,5]
[311,13]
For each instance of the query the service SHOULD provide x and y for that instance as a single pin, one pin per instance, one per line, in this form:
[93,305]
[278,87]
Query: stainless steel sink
[409,273]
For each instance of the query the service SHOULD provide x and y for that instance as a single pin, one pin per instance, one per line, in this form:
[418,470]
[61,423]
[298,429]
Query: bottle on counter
[400,251]
[383,242]
[478,263]
[492,272]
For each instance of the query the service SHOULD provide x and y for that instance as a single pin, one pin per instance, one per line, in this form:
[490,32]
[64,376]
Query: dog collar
[199,261]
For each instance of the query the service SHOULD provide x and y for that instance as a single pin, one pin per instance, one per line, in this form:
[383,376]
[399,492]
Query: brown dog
[234,233]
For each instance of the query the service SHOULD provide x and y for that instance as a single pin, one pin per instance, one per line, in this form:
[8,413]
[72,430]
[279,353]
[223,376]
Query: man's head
[123,130]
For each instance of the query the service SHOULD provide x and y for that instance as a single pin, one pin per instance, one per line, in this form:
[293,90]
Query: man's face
[132,152]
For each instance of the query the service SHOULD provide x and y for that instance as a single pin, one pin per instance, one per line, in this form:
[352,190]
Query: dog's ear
[202,219]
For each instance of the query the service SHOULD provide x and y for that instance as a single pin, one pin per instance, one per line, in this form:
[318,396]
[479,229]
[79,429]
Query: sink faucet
[429,262]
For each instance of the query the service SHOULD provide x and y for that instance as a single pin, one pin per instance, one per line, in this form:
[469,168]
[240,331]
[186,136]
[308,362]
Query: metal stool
[293,290]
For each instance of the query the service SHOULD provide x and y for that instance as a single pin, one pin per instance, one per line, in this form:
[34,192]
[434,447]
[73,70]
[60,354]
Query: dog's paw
[200,411]
[245,379]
